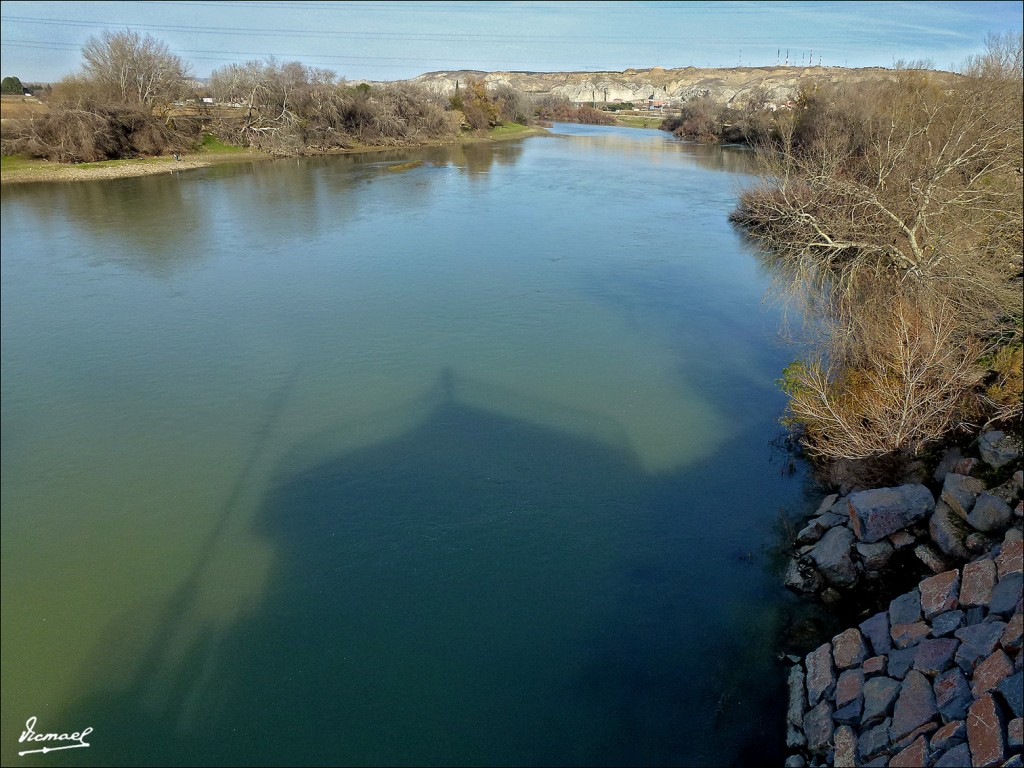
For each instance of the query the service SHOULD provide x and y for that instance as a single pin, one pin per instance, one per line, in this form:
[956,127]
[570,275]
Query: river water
[324,461]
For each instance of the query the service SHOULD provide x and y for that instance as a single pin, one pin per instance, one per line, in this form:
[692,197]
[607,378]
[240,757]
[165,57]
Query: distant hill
[731,86]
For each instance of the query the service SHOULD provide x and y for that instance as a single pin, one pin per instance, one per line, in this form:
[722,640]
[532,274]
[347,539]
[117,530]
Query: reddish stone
[902,539]
[846,747]
[985,733]
[848,648]
[978,580]
[914,756]
[874,665]
[1011,558]
[849,687]
[949,735]
[921,730]
[820,679]
[1011,637]
[914,707]
[1015,733]
[939,593]
[906,635]
[990,673]
[935,656]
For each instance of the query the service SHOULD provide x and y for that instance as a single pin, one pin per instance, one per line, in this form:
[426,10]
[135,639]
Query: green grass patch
[20,163]
[212,144]
[634,121]
[506,129]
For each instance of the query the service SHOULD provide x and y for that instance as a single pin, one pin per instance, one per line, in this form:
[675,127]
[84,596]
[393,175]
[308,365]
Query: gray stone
[795,711]
[935,656]
[849,687]
[1015,733]
[810,533]
[915,705]
[960,491]
[905,609]
[977,542]
[818,728]
[802,578]
[977,642]
[949,459]
[947,623]
[874,740]
[900,660]
[989,513]
[1017,761]
[875,556]
[952,695]
[848,648]
[879,695]
[932,560]
[997,449]
[876,630]
[1006,595]
[957,757]
[795,761]
[1012,691]
[882,761]
[827,503]
[877,513]
[907,635]
[850,714]
[949,531]
[832,556]
[820,679]
[846,748]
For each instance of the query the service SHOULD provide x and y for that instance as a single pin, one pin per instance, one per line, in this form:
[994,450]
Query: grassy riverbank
[18,170]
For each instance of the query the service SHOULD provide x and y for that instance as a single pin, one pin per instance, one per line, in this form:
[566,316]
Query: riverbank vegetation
[892,210]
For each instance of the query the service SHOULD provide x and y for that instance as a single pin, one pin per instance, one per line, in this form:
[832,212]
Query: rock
[874,740]
[949,735]
[1014,762]
[850,714]
[957,757]
[960,491]
[977,642]
[1014,733]
[905,609]
[940,593]
[902,539]
[795,711]
[947,623]
[900,660]
[875,556]
[931,559]
[874,665]
[1013,534]
[985,733]
[827,503]
[989,673]
[1012,691]
[848,649]
[965,466]
[818,728]
[795,761]
[851,685]
[1018,480]
[989,513]
[1006,491]
[879,695]
[1018,511]
[907,635]
[948,531]
[820,680]
[878,513]
[935,656]
[1007,594]
[846,748]
[949,459]
[810,533]
[832,556]
[1010,641]
[977,542]
[915,706]
[802,578]
[876,630]
[914,756]
[829,596]
[952,695]
[976,585]
[997,449]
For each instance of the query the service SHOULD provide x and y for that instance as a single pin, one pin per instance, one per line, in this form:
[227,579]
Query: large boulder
[948,531]
[880,512]
[989,513]
[960,491]
[832,556]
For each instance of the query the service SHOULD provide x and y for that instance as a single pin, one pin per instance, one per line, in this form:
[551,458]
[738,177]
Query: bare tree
[134,68]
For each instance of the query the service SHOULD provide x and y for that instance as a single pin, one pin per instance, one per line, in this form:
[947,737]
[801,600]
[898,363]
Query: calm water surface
[313,461]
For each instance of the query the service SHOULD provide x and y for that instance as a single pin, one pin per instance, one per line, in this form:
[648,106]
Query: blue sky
[377,40]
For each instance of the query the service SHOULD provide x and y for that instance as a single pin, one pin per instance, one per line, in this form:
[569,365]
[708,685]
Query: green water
[316,462]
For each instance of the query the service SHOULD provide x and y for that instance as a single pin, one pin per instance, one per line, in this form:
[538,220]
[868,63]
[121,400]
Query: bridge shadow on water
[478,590]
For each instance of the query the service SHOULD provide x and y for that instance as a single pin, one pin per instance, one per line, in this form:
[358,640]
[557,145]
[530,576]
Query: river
[324,461]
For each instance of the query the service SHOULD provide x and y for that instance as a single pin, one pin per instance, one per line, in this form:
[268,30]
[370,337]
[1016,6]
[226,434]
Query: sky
[378,40]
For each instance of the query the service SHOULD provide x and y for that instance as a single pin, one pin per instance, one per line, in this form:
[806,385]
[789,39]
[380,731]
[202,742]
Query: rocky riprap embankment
[935,679]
